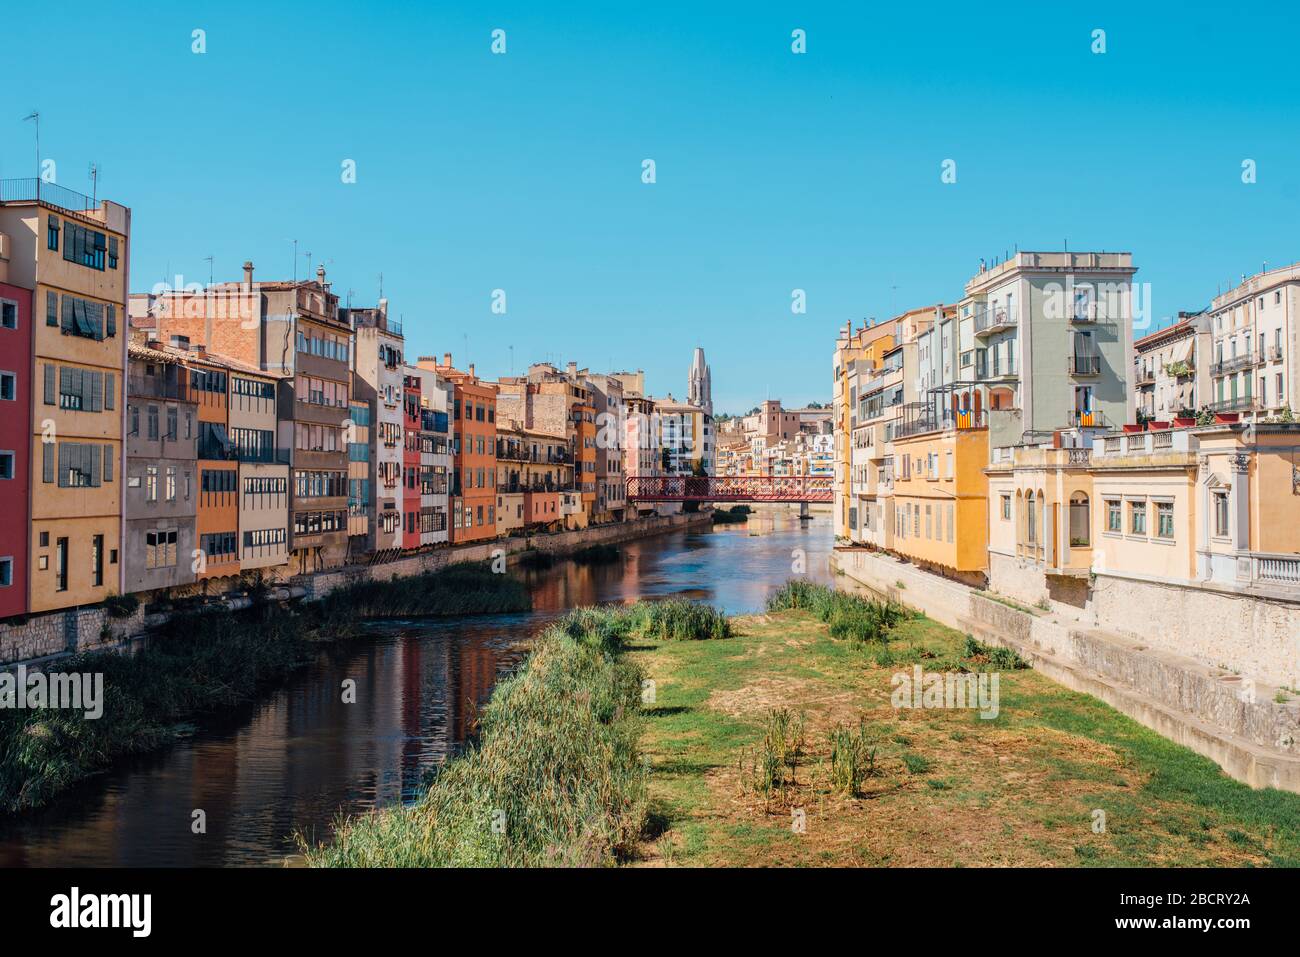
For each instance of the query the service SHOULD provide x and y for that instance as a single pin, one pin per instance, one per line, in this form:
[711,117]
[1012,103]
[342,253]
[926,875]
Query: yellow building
[74,254]
[940,497]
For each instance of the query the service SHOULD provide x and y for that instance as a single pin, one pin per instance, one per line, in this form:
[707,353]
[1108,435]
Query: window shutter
[112,321]
[49,383]
[69,311]
[47,461]
[64,463]
[108,463]
[93,466]
[96,391]
[112,249]
[110,391]
[51,308]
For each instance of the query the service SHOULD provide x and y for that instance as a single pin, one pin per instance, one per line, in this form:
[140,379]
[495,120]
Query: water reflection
[302,756]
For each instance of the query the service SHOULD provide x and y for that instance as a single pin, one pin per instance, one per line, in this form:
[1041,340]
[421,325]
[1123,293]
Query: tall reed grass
[850,617]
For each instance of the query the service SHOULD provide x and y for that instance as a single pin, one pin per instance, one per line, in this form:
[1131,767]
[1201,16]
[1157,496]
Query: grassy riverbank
[556,777]
[203,664]
[781,716]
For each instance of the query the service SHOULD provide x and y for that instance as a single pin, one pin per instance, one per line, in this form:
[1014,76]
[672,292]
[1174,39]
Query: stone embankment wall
[1238,720]
[92,628]
[1234,630]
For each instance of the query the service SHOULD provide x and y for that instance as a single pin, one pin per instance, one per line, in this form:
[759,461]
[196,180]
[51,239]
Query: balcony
[1274,353]
[1275,569]
[1235,364]
[1239,403]
[265,456]
[998,369]
[1088,419]
[1146,376]
[989,321]
[1084,365]
[153,387]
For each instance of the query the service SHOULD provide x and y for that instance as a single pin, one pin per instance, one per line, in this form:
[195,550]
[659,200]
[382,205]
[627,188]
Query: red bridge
[730,488]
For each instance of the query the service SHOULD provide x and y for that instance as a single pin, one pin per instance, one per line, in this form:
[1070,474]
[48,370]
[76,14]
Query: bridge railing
[730,488]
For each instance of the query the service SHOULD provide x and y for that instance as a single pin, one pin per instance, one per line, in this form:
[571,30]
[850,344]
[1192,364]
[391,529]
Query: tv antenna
[94,182]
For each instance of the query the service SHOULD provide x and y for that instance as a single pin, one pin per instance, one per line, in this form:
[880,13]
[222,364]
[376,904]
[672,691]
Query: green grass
[946,787]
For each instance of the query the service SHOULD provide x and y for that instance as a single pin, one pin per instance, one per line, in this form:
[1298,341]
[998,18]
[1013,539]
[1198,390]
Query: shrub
[121,606]
[995,656]
[849,616]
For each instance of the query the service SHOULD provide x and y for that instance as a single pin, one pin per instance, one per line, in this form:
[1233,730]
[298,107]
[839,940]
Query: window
[151,483]
[160,549]
[1006,507]
[1221,514]
[61,565]
[6,572]
[6,465]
[87,247]
[1164,519]
[52,233]
[1137,512]
[8,314]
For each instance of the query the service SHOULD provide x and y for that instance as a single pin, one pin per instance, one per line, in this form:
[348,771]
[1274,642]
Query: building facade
[73,253]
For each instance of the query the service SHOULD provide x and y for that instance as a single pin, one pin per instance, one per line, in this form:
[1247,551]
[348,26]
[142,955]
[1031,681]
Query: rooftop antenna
[94,183]
[308,255]
[295,258]
[208,260]
[381,285]
[35,116]
[512,360]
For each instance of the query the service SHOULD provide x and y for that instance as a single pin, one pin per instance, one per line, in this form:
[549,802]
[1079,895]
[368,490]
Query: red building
[410,505]
[15,445]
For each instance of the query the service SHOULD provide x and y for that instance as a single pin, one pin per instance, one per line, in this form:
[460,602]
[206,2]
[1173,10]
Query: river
[300,757]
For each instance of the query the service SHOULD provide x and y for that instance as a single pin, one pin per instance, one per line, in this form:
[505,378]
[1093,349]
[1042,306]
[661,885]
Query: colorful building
[161,474]
[377,377]
[73,253]
[473,423]
[15,440]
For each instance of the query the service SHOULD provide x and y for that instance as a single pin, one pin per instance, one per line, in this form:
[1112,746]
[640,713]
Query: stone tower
[699,383]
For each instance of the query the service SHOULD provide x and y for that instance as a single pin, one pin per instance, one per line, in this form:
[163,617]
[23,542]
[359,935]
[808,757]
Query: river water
[301,757]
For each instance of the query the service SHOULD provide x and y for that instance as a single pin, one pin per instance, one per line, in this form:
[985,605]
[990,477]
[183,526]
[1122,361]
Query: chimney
[248,274]
[572,368]
[320,277]
[446,359]
[471,370]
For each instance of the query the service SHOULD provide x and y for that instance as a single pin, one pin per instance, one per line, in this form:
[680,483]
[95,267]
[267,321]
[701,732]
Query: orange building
[474,445]
[217,518]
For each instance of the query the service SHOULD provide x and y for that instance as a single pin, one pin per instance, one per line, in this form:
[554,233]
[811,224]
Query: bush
[121,606]
[995,657]
[849,616]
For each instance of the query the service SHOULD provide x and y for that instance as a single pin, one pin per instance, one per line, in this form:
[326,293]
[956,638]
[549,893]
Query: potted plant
[1224,417]
[1157,426]
[1131,427]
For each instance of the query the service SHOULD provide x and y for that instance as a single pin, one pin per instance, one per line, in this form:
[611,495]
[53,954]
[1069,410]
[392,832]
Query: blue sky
[775,171]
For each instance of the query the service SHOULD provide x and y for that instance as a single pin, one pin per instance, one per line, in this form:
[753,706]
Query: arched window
[1080,520]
